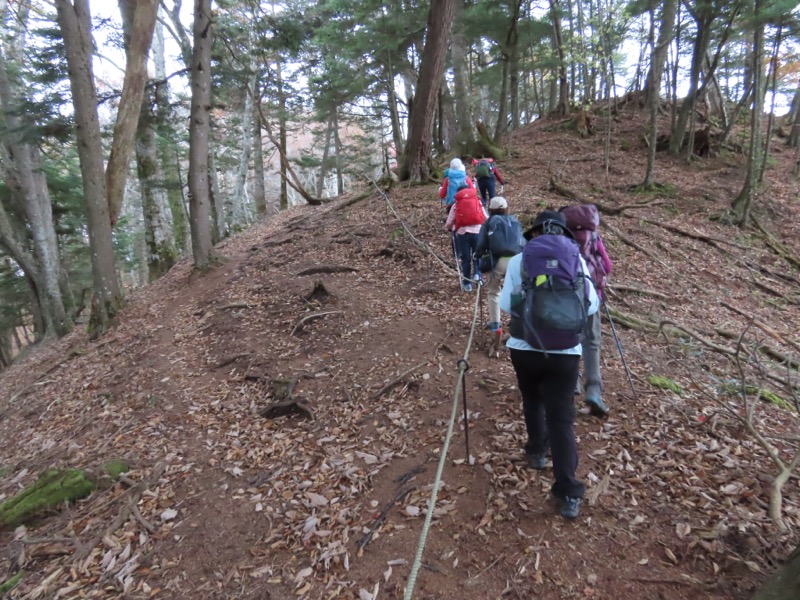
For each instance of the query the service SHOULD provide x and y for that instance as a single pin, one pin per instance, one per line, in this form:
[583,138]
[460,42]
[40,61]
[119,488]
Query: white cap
[457,165]
[497,202]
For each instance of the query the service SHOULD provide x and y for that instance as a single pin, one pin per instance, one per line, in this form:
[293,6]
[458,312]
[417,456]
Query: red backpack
[469,210]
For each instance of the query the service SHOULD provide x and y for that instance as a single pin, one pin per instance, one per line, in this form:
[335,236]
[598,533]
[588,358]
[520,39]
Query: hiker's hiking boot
[466,287]
[570,507]
[537,461]
[596,406]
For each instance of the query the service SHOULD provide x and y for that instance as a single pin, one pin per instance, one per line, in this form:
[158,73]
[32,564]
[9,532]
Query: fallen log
[54,487]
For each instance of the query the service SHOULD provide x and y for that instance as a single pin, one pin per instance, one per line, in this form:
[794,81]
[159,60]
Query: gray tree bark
[24,177]
[417,158]
[458,52]
[74,21]
[140,16]
[199,196]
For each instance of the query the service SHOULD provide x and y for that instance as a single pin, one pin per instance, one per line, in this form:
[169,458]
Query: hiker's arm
[499,176]
[601,249]
[512,282]
[591,293]
[451,218]
[443,189]
[483,240]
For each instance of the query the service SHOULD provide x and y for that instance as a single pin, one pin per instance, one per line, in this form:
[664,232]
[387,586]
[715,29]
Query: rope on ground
[414,239]
[463,365]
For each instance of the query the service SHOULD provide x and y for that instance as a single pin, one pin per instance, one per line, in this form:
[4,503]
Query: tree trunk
[259,191]
[337,141]
[653,84]
[417,161]
[326,158]
[743,201]
[794,135]
[562,106]
[239,213]
[199,196]
[75,23]
[394,115]
[139,18]
[25,179]
[772,78]
[283,150]
[463,99]
[659,55]
[509,50]
[784,584]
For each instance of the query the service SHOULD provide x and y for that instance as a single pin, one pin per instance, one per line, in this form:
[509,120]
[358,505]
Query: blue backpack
[552,311]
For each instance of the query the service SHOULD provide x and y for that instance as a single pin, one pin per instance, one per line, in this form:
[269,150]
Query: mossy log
[53,487]
[10,583]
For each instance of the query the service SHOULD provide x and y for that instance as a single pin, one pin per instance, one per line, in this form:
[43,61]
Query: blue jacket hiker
[500,238]
[546,376]
[454,179]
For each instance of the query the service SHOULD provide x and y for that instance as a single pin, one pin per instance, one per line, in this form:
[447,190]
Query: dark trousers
[486,186]
[547,383]
[466,244]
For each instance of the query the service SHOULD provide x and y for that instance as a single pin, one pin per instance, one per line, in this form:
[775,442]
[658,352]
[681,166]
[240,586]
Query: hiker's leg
[593,383]
[465,254]
[491,186]
[483,186]
[526,365]
[472,240]
[557,384]
[493,286]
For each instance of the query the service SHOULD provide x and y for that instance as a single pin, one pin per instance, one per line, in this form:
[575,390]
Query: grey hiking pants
[494,284]
[592,381]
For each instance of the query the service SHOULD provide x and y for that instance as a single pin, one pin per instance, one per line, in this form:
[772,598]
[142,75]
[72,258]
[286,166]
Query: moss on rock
[51,489]
[11,583]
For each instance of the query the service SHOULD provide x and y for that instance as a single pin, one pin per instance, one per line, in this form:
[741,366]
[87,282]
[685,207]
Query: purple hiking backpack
[554,310]
[583,220]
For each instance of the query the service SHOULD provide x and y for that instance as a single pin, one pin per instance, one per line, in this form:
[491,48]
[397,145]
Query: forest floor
[328,502]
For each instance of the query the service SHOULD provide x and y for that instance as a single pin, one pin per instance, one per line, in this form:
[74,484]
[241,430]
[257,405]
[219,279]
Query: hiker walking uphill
[464,222]
[548,294]
[486,173]
[583,220]
[500,238]
[454,178]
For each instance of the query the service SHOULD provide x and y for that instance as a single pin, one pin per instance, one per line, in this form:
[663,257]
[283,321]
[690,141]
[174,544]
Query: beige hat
[497,202]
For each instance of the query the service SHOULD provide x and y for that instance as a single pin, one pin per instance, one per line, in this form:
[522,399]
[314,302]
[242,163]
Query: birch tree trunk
[240,199]
[167,149]
[74,21]
[199,194]
[417,158]
[161,251]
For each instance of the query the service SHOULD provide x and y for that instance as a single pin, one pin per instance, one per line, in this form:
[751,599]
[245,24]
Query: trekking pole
[455,255]
[619,347]
[463,364]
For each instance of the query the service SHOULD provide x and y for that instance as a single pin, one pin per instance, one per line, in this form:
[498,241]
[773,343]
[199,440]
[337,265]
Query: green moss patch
[51,489]
[665,383]
[10,584]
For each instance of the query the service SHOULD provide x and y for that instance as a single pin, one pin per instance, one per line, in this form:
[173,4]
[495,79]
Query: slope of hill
[340,310]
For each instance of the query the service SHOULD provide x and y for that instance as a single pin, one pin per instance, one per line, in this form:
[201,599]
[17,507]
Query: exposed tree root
[618,287]
[280,242]
[312,317]
[327,269]
[396,381]
[763,349]
[711,241]
[283,404]
[763,327]
[133,494]
[634,245]
[776,246]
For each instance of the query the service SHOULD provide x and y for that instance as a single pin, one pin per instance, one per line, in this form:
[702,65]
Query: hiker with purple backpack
[548,293]
[584,220]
